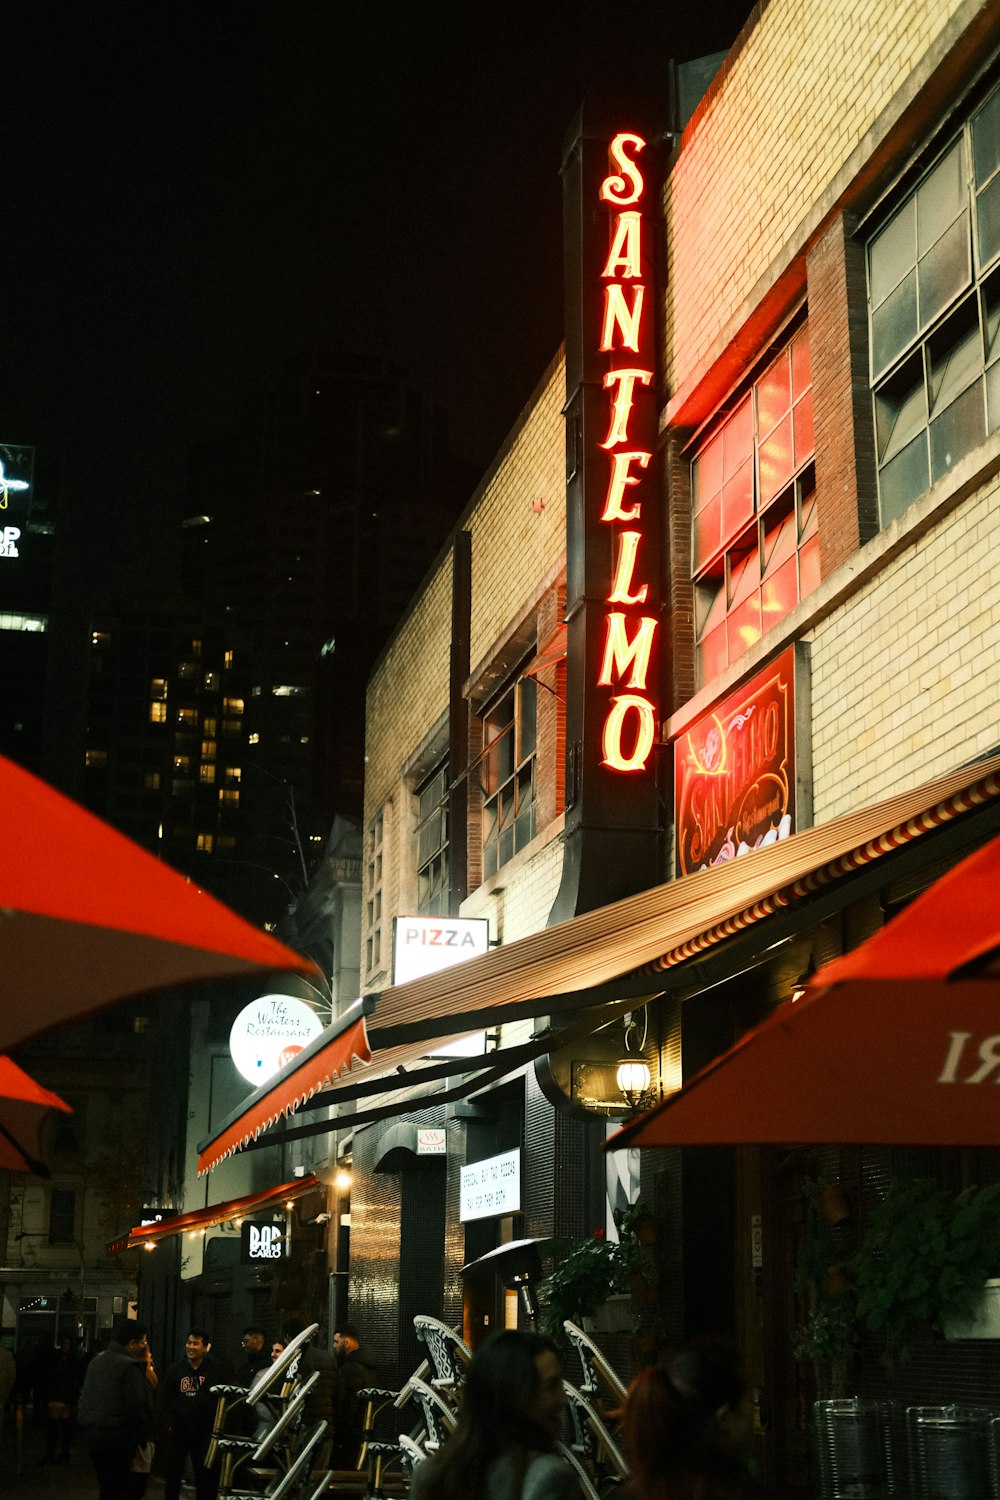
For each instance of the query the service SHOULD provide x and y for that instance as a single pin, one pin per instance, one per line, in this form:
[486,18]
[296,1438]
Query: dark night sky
[191,191]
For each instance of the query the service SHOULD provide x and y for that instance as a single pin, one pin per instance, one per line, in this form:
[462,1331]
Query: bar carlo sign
[627,333]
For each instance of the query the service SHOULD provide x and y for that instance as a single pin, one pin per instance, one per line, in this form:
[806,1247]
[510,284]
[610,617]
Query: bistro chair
[592,1444]
[447,1352]
[601,1384]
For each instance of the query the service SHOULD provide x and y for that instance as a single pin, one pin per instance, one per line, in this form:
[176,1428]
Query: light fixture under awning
[218,1213]
[616,948]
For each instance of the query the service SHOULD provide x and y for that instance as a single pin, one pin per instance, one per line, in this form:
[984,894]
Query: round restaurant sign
[269,1032]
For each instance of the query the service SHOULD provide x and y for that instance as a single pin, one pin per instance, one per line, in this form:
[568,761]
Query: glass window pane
[713,652]
[738,438]
[988,221]
[774,394]
[744,577]
[706,473]
[737,502]
[802,421]
[943,272]
[903,480]
[710,605]
[780,593]
[894,324]
[900,408]
[893,253]
[526,722]
[991,316]
[993,398]
[809,566]
[941,198]
[779,544]
[776,461]
[957,430]
[954,356]
[708,532]
[743,626]
[986,139]
[801,364]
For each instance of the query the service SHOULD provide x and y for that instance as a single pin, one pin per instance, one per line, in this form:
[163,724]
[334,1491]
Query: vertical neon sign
[626,335]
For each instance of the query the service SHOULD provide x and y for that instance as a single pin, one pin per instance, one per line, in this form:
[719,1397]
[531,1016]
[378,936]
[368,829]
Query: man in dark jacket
[326,1399]
[357,1370]
[185,1395]
[116,1410]
[255,1356]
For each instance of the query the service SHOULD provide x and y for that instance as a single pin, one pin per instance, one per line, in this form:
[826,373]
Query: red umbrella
[24,1107]
[898,1042]
[88,918]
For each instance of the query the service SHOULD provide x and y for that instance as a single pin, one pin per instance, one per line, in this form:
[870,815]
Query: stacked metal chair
[275,1460]
[594,1410]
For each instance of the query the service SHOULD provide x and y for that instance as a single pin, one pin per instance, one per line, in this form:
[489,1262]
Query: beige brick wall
[518,543]
[906,675]
[519,899]
[748,173]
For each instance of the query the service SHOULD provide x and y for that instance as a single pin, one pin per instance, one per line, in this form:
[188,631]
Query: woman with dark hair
[503,1447]
[687,1424]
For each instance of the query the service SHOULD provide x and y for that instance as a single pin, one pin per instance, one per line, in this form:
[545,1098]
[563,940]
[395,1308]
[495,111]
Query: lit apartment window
[227,660]
[253,739]
[205,843]
[206,773]
[256,691]
[934,304]
[234,773]
[157,713]
[208,748]
[229,796]
[151,781]
[432,844]
[208,728]
[100,638]
[211,681]
[182,762]
[187,670]
[753,496]
[508,774]
[187,716]
[287,690]
[158,688]
[14,620]
[232,705]
[96,758]
[196,648]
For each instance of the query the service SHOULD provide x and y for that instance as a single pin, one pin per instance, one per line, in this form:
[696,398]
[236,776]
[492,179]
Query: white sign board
[431,1143]
[491,1187]
[269,1033]
[423,945]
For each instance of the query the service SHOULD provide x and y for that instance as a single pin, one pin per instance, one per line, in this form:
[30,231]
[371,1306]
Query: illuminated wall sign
[491,1187]
[261,1242]
[735,771]
[626,325]
[422,945]
[269,1032]
[16,468]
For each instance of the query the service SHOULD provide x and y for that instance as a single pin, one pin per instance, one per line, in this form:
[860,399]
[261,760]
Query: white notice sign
[491,1187]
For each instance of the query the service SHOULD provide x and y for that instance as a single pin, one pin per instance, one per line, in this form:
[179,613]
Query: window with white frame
[508,773]
[373,906]
[755,544]
[934,310]
[432,843]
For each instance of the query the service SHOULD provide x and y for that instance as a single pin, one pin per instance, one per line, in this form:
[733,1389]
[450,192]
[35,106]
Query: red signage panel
[734,772]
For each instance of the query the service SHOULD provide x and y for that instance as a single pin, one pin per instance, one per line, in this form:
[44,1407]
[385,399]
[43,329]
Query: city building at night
[700,691]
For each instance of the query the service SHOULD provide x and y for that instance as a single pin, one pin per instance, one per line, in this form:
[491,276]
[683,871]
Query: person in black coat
[185,1396]
[255,1356]
[116,1407]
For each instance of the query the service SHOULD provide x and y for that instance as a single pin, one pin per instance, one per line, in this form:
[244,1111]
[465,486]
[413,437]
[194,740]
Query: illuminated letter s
[626,188]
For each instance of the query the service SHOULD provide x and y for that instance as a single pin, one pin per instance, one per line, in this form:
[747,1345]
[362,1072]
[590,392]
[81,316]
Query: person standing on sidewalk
[115,1413]
[185,1396]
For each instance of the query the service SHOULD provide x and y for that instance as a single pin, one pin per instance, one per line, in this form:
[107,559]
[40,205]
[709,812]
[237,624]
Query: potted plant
[925,1259]
[828,1336]
[592,1272]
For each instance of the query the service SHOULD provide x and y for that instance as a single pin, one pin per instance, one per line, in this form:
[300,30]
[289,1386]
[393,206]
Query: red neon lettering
[628,546]
[621,408]
[620,653]
[626,188]
[614,725]
[623,257]
[619,482]
[618,315]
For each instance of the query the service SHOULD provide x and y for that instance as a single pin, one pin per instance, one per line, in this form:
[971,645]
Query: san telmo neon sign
[626,330]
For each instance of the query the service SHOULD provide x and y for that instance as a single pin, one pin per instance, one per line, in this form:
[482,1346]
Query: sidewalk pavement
[24,1477]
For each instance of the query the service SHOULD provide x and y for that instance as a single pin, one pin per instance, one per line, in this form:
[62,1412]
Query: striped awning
[626,945]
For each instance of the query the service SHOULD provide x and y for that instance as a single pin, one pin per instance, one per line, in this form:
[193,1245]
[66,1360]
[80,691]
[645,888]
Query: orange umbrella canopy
[88,918]
[24,1107]
[898,1042]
